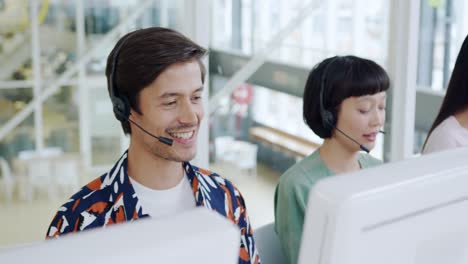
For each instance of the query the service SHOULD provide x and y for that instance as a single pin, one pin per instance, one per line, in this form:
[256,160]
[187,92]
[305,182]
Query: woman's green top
[291,198]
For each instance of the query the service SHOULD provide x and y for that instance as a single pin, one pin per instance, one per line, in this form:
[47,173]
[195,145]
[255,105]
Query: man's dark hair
[144,55]
[342,77]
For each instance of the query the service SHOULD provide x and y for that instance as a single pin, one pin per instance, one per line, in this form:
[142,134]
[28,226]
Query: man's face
[171,107]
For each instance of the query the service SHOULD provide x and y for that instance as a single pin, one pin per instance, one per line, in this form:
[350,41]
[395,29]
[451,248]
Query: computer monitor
[413,211]
[197,236]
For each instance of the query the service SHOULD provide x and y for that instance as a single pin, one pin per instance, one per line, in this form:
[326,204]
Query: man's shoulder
[93,192]
[216,179]
[220,193]
[82,208]
[217,187]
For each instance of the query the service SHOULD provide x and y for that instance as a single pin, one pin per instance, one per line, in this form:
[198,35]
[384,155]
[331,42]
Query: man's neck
[152,171]
[337,158]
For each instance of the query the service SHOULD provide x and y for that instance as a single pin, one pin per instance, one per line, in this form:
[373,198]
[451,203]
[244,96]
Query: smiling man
[155,81]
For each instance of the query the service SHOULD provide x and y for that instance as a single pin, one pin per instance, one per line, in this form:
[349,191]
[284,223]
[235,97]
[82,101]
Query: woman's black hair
[456,97]
[335,79]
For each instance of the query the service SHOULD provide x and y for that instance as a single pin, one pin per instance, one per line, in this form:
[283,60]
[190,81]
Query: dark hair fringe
[345,76]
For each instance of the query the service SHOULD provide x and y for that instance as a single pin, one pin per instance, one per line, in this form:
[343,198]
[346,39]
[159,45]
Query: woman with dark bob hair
[344,103]
[450,128]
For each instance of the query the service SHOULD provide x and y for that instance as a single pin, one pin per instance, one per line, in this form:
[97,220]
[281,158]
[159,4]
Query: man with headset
[155,82]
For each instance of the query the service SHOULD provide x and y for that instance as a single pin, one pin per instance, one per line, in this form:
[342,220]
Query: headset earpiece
[121,108]
[120,104]
[328,120]
[328,117]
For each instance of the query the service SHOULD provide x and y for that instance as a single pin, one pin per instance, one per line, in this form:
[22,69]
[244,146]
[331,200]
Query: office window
[443,27]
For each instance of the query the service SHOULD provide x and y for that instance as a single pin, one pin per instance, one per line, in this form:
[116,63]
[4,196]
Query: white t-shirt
[162,203]
[447,135]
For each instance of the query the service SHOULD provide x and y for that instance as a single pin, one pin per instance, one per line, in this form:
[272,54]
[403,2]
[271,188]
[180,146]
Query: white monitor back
[197,236]
[413,211]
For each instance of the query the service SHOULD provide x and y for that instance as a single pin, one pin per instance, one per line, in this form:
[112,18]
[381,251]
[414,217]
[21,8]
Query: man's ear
[134,114]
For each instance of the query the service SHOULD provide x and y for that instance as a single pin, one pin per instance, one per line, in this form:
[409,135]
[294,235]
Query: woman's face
[361,118]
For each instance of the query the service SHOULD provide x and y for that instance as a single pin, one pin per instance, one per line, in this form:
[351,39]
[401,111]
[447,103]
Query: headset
[121,104]
[329,118]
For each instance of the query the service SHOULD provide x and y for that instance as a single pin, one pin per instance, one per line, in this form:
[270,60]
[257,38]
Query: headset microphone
[164,140]
[362,147]
[121,105]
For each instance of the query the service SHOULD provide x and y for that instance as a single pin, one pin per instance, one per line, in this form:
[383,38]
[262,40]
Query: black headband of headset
[113,91]
[325,73]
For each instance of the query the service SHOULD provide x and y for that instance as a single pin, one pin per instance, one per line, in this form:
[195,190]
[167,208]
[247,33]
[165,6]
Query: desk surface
[291,144]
